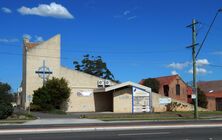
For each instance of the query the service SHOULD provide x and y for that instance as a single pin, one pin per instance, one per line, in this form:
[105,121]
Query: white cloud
[131,18]
[5,40]
[199,71]
[52,10]
[27,36]
[174,72]
[202,62]
[38,39]
[126,12]
[6,10]
[179,66]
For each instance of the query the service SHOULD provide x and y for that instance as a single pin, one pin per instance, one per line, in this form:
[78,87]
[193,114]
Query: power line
[108,52]
[69,58]
[213,65]
[208,31]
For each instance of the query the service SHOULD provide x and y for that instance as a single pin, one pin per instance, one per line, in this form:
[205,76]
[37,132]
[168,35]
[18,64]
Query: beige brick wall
[155,103]
[122,100]
[48,51]
[79,103]
[80,81]
[182,106]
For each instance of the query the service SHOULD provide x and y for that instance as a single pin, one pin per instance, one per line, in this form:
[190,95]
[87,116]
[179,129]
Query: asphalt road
[116,123]
[214,133]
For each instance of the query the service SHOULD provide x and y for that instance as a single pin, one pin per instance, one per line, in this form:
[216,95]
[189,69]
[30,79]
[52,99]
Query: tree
[152,83]
[6,108]
[94,66]
[52,95]
[202,99]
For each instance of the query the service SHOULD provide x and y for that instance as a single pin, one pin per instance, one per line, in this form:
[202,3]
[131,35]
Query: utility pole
[194,44]
[194,56]
[194,34]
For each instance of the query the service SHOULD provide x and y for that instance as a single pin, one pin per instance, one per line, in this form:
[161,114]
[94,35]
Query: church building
[88,93]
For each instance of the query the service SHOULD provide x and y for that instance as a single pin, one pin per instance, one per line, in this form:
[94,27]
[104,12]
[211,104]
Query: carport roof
[125,84]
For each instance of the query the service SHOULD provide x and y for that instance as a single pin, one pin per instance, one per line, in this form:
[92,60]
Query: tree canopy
[52,95]
[94,66]
[152,83]
[6,98]
[202,99]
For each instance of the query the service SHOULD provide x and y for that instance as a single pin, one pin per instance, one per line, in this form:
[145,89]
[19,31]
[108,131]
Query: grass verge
[153,116]
[18,118]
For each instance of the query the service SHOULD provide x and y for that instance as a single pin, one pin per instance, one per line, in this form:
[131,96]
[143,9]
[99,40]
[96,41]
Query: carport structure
[126,97]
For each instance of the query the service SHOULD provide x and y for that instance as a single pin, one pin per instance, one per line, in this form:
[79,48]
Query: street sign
[193,96]
[19,89]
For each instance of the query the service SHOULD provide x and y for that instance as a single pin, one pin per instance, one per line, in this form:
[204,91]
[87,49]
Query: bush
[35,107]
[42,99]
[52,95]
[6,109]
[202,99]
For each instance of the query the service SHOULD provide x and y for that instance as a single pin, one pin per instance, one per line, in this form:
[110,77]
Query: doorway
[103,102]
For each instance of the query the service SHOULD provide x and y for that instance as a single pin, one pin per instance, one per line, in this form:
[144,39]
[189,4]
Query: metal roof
[125,84]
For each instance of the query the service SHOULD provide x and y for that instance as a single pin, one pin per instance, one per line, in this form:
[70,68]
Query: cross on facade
[43,72]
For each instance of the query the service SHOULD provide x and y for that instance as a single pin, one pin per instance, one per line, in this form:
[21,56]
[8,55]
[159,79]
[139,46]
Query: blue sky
[137,38]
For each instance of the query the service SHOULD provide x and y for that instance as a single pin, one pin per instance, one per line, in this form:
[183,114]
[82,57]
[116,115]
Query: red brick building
[213,91]
[174,87]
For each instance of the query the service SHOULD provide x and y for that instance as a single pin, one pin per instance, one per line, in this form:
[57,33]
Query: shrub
[202,99]
[52,95]
[35,107]
[6,109]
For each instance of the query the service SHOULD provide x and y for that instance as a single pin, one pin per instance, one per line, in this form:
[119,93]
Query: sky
[136,38]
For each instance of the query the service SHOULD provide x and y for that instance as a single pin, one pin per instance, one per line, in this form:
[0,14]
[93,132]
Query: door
[219,104]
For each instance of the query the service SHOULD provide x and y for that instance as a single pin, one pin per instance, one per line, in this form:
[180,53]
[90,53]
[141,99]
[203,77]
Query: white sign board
[164,101]
[141,100]
[139,92]
[19,89]
[85,93]
[193,96]
[29,97]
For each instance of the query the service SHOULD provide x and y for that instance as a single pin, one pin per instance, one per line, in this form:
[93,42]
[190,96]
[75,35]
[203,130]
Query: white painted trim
[129,83]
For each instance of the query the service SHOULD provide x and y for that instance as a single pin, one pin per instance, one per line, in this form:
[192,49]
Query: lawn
[18,118]
[153,116]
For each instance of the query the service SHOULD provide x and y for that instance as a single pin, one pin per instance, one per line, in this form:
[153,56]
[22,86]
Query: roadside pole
[193,46]
[194,34]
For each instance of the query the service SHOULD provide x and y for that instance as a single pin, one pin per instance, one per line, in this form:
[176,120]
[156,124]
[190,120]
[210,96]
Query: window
[166,90]
[177,89]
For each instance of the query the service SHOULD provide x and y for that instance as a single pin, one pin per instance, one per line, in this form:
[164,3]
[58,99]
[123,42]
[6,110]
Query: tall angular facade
[46,54]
